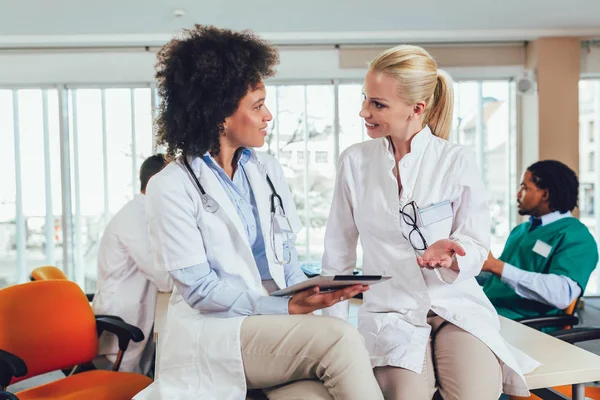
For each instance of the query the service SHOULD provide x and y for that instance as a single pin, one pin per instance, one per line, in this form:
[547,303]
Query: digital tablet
[328,283]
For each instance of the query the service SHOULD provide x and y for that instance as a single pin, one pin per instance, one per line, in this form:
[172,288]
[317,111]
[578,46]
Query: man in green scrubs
[547,261]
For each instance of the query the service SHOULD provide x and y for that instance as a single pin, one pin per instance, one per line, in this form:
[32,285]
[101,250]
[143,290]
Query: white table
[562,363]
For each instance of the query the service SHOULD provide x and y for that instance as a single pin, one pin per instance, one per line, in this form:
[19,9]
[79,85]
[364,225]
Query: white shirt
[393,317]
[128,283]
[554,290]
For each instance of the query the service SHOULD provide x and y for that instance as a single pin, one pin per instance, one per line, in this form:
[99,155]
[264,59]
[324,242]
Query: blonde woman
[418,204]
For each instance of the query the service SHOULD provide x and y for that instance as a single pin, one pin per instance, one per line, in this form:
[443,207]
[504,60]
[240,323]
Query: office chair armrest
[10,365]
[108,316]
[7,396]
[577,335]
[124,331]
[554,321]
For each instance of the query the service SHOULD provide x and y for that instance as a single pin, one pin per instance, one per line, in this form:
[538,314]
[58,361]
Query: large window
[30,197]
[303,137]
[483,121]
[111,135]
[589,177]
[106,133]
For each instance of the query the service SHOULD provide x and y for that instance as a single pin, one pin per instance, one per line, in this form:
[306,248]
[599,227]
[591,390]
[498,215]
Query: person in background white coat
[223,223]
[128,282]
[418,204]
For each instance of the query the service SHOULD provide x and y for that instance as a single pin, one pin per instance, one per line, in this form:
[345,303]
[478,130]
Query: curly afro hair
[561,182]
[202,77]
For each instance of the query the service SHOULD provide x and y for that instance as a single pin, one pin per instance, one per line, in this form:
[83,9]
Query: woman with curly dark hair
[223,223]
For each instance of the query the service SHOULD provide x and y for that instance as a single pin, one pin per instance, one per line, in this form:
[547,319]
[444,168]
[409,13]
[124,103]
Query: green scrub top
[573,253]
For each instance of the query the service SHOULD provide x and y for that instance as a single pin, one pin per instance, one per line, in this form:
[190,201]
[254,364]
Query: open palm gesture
[440,254]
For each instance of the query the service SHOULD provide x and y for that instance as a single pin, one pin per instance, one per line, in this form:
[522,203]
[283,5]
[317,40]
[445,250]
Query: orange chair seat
[591,392]
[91,385]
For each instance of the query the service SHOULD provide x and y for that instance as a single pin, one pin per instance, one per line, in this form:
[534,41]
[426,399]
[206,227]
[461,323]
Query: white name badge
[282,225]
[435,213]
[541,248]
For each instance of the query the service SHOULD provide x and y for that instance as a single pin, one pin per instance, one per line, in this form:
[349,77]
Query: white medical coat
[128,284]
[201,354]
[366,204]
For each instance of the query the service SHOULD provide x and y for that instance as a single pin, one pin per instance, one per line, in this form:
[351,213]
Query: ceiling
[307,21]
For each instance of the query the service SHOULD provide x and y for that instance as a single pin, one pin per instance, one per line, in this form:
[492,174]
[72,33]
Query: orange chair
[566,320]
[46,273]
[571,309]
[591,392]
[49,272]
[49,325]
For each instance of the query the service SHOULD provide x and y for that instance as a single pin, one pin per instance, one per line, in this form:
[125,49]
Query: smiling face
[247,126]
[385,112]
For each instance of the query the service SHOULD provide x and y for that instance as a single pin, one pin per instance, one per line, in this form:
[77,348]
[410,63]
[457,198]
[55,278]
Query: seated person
[223,223]
[547,261]
[128,283]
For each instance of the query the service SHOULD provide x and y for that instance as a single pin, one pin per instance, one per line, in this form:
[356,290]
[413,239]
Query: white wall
[48,67]
[136,65]
[127,66]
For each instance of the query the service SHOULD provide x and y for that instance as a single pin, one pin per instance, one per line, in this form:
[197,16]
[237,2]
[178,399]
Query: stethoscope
[210,205]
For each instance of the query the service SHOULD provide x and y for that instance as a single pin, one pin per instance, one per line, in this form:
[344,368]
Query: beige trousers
[306,357]
[457,363]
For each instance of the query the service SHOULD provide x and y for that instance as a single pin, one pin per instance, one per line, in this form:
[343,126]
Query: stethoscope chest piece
[209,204]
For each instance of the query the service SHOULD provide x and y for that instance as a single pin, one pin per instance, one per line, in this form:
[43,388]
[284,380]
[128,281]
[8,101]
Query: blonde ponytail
[420,80]
[439,115]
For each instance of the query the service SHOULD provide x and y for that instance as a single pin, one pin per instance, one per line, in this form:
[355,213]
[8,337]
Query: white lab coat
[201,354]
[128,284]
[366,203]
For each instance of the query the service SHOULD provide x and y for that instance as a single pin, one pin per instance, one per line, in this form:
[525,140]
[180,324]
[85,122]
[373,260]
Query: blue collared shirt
[199,284]
[242,197]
